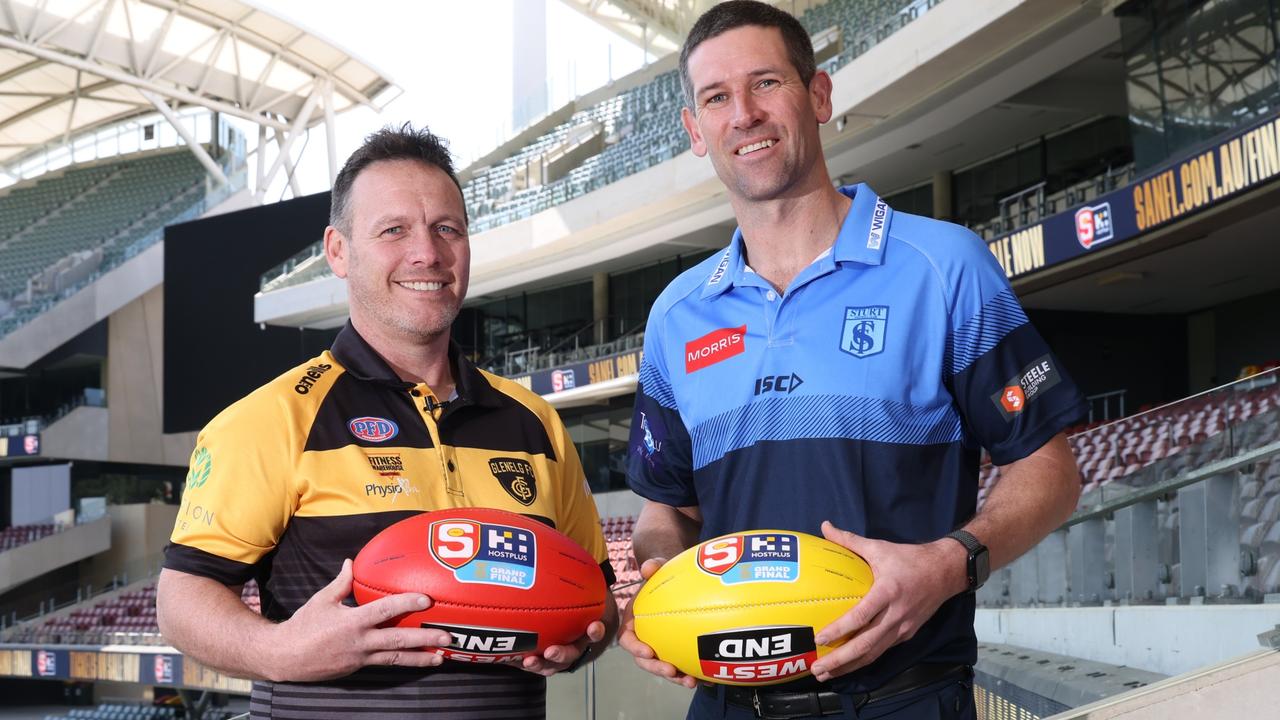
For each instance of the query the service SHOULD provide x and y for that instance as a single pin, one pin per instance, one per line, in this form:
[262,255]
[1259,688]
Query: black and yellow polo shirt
[301,473]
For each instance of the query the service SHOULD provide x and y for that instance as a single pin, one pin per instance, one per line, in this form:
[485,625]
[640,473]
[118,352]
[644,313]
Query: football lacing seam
[435,602]
[746,606]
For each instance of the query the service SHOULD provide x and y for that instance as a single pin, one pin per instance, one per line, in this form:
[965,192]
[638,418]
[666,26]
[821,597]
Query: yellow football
[743,609]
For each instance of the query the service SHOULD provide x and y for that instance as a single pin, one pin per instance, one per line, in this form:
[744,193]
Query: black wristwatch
[979,562]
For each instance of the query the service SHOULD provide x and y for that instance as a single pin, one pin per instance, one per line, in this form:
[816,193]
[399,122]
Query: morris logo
[713,347]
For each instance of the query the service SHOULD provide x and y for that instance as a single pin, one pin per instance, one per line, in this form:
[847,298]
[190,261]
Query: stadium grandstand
[1119,157]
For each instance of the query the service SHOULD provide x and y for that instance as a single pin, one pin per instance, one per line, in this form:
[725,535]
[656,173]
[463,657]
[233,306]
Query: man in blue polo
[838,370]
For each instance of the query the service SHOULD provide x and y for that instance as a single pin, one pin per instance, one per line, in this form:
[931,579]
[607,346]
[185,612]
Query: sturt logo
[864,330]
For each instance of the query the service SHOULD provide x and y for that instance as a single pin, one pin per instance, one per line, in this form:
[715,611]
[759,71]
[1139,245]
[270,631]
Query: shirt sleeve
[659,452]
[579,518]
[238,496]
[1012,391]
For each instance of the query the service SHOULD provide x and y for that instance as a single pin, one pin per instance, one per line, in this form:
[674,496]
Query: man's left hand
[911,583]
[558,657]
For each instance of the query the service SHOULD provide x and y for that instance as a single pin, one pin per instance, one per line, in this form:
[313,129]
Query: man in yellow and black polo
[291,481]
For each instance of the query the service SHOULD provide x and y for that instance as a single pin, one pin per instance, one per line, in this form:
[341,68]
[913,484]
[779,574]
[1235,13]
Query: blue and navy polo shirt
[863,395]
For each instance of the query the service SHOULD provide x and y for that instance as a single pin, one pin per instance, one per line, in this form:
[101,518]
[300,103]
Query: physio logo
[714,347]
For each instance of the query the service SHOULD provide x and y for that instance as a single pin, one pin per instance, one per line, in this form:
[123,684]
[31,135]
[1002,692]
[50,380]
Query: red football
[504,585]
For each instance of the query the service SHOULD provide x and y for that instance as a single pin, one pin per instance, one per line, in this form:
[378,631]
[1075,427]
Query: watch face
[981,568]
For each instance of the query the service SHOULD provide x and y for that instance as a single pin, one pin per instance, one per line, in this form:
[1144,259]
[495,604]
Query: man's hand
[911,583]
[645,657]
[558,657]
[326,639]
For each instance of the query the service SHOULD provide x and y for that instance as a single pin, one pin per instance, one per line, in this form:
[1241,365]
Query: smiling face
[408,258]
[753,114]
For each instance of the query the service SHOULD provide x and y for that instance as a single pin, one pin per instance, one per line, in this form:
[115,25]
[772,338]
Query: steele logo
[386,465]
[516,477]
[1093,225]
[373,429]
[778,383]
[757,655]
[1022,389]
[875,235]
[485,644]
[714,347]
[309,379]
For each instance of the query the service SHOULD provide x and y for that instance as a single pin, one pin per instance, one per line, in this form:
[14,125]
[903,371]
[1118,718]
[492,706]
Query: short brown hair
[740,13]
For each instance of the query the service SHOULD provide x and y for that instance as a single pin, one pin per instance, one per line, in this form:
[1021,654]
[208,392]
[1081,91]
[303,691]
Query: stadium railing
[1179,504]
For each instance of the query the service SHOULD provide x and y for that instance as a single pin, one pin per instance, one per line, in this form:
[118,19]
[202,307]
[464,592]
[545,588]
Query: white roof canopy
[71,66]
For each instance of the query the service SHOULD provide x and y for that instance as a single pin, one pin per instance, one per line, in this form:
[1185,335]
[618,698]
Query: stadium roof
[71,66]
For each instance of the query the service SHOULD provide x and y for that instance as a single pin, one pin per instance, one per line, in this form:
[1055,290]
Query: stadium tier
[617,535]
[122,711]
[128,618]
[12,537]
[618,137]
[66,227]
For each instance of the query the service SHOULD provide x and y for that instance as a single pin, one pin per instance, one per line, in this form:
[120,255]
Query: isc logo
[762,654]
[482,644]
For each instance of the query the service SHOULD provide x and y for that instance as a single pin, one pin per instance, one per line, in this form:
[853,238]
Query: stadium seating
[110,206]
[617,535]
[12,537]
[112,711]
[640,128]
[128,618]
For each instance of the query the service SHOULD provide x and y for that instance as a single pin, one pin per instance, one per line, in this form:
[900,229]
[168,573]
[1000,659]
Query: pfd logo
[485,644]
[373,429]
[714,347]
[757,655]
[1093,225]
[752,557]
[485,553]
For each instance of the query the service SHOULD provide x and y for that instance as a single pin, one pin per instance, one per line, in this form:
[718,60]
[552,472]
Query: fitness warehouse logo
[386,465]
[485,644]
[752,557]
[1023,388]
[757,655]
[714,347]
[309,379]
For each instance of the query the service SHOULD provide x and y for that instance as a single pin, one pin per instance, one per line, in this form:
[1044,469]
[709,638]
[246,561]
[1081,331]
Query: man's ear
[336,250]
[820,96]
[695,135]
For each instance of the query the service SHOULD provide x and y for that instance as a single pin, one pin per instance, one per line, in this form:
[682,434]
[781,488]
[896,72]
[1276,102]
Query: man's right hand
[326,639]
[645,657]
